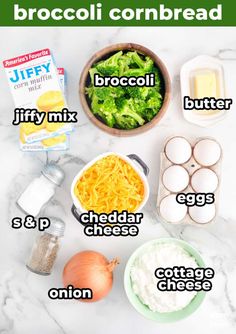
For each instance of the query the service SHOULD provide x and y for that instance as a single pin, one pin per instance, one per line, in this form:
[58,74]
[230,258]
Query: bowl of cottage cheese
[142,285]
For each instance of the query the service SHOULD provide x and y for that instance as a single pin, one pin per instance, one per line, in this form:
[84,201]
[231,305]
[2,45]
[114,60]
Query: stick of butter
[205,84]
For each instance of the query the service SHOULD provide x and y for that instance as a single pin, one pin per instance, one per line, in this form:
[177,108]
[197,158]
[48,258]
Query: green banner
[118,13]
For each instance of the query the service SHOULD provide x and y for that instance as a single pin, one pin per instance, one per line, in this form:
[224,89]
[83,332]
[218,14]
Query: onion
[90,270]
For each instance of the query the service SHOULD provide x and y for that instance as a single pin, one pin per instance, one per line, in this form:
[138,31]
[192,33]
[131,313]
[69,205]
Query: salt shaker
[41,189]
[45,248]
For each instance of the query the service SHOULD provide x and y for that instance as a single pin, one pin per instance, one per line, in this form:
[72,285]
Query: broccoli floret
[89,91]
[148,64]
[138,92]
[92,72]
[125,122]
[105,110]
[154,103]
[126,116]
[135,72]
[140,107]
[141,62]
[117,92]
[149,114]
[109,66]
[124,64]
[104,93]
[158,81]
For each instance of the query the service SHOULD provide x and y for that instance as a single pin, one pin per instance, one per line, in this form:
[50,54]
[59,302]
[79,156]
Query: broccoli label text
[148,80]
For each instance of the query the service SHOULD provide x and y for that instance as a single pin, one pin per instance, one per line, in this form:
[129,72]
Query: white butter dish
[187,74]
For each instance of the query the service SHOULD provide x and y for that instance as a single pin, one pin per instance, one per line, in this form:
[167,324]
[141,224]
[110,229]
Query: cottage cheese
[144,281]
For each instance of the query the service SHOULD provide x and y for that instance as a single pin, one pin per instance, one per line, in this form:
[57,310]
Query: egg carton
[191,166]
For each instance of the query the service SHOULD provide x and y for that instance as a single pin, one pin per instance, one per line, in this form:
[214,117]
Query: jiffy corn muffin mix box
[62,79]
[35,84]
[58,143]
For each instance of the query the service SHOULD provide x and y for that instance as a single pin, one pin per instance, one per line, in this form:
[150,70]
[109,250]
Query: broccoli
[92,72]
[125,122]
[125,107]
[127,117]
[105,110]
[146,64]
[138,92]
[117,92]
[154,103]
[140,106]
[102,93]
[158,81]
[89,91]
[136,72]
[109,66]
[124,64]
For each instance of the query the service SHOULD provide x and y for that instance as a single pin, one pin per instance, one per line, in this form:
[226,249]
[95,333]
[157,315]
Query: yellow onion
[90,270]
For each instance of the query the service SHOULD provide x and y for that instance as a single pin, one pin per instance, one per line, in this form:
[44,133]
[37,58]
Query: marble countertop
[24,305]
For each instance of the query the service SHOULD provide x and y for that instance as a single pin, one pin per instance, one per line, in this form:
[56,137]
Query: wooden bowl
[106,53]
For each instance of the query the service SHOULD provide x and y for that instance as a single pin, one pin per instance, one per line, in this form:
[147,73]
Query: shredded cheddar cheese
[110,184]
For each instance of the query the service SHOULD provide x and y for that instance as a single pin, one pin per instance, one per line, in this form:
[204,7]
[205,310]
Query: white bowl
[129,159]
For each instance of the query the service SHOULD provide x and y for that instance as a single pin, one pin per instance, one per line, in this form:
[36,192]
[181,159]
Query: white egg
[178,150]
[175,178]
[171,210]
[204,180]
[202,214]
[207,152]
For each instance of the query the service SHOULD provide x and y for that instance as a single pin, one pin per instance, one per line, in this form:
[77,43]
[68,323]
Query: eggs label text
[195,199]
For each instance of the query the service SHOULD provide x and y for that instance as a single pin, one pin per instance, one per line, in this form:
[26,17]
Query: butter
[35,84]
[205,84]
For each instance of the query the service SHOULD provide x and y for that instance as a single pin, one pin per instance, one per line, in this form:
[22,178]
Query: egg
[202,214]
[171,210]
[207,152]
[175,178]
[204,180]
[178,150]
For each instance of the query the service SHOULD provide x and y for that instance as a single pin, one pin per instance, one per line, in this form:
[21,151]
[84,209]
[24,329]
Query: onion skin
[90,270]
